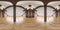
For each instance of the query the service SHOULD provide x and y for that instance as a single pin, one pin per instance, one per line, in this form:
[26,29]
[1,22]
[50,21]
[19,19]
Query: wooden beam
[45,13]
[14,13]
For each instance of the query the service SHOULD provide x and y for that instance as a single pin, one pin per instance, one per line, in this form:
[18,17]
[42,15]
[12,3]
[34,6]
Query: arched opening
[51,15]
[9,15]
[40,14]
[34,4]
[5,12]
[56,4]
[20,14]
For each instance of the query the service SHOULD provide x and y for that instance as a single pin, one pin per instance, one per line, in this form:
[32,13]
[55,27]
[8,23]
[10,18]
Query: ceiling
[15,1]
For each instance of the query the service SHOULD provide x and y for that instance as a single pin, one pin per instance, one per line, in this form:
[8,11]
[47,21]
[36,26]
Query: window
[40,14]
[34,5]
[51,11]
[50,15]
[9,15]
[19,14]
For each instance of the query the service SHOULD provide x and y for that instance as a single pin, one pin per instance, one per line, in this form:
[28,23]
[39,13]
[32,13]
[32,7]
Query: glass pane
[40,14]
[19,14]
[50,15]
[9,15]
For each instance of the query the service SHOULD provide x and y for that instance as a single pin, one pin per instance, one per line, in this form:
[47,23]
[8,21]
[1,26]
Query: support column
[56,13]
[3,12]
[14,13]
[0,12]
[45,13]
[59,13]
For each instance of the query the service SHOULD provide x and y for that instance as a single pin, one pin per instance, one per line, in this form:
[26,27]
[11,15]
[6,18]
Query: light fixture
[29,7]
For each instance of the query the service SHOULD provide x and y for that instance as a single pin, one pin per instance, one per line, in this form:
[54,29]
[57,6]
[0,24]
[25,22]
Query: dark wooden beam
[45,13]
[44,1]
[14,13]
[0,12]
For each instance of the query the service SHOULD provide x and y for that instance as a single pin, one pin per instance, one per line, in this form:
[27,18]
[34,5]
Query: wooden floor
[30,24]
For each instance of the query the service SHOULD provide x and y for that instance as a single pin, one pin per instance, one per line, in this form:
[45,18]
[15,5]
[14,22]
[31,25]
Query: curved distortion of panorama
[29,15]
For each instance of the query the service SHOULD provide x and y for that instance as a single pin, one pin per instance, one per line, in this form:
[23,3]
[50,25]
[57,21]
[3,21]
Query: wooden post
[14,13]
[45,13]
[0,12]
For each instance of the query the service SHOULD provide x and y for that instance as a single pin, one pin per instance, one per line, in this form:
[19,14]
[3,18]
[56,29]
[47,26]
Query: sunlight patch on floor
[19,20]
[40,19]
[9,20]
[50,19]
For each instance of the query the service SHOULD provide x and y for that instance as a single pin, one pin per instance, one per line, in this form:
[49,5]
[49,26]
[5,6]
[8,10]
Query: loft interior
[30,14]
